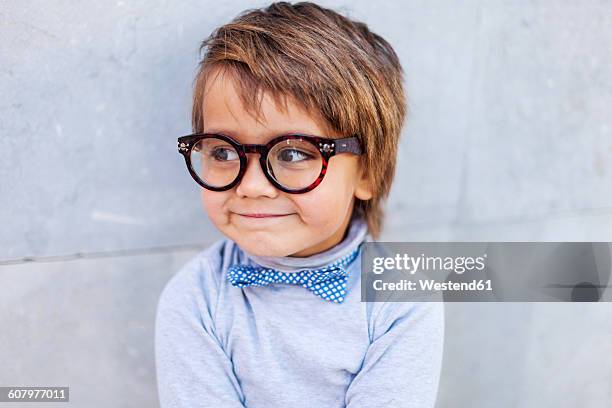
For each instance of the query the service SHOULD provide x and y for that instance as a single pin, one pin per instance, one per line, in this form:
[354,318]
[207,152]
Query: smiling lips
[262,215]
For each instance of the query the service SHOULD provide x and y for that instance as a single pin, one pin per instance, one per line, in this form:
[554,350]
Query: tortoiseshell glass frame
[327,146]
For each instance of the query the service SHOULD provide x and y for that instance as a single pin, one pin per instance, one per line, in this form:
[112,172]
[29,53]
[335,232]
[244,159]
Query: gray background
[509,138]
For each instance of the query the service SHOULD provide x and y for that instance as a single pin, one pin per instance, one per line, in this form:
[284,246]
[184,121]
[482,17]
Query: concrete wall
[509,138]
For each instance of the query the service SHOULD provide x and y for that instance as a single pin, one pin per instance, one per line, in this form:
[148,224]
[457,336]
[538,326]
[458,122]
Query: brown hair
[329,65]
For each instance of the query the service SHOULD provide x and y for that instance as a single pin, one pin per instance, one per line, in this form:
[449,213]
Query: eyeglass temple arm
[348,145]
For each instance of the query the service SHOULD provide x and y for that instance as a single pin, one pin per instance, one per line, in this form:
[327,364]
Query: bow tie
[328,283]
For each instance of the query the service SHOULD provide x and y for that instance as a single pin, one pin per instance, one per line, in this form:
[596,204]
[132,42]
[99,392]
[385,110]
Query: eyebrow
[236,136]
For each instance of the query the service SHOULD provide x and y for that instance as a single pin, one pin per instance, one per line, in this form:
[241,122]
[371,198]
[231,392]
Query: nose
[254,182]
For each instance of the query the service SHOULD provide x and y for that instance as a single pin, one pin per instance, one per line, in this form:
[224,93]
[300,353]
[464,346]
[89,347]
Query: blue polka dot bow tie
[329,282]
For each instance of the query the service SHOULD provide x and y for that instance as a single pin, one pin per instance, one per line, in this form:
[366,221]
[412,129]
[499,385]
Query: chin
[262,249]
[259,245]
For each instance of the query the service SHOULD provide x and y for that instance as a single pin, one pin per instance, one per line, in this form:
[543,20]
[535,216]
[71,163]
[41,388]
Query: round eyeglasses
[293,163]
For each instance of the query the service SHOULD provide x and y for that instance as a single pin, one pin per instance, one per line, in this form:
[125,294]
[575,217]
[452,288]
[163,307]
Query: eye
[223,154]
[292,155]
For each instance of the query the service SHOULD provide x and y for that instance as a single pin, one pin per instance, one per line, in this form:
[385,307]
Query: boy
[297,114]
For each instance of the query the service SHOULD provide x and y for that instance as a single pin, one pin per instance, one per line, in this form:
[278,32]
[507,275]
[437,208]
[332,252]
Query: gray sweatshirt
[280,345]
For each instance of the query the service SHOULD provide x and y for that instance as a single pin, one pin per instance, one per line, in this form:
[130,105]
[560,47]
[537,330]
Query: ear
[363,189]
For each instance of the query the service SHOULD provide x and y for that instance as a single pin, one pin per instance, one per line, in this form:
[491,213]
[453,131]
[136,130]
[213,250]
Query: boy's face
[299,224]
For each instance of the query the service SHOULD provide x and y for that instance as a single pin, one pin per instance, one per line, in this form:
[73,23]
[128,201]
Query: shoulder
[419,318]
[198,280]
[393,310]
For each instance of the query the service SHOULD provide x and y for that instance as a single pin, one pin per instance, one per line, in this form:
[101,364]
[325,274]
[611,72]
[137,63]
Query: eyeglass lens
[293,163]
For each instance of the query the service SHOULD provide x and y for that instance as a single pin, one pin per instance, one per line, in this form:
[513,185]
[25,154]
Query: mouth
[260,221]
[262,215]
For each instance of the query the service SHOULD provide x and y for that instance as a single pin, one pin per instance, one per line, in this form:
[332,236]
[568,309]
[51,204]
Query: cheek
[340,180]
[213,203]
[328,203]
